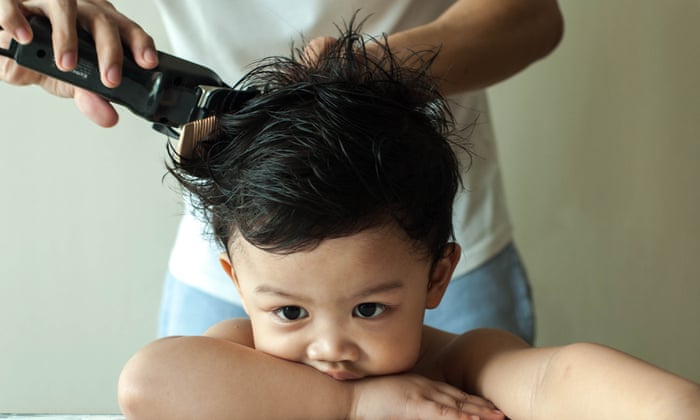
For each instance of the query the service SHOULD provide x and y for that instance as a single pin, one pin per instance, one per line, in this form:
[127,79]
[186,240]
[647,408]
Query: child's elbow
[132,391]
[550,22]
[140,383]
[685,404]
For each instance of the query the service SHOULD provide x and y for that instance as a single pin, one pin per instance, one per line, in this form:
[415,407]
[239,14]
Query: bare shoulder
[479,342]
[237,330]
[477,349]
[465,360]
[436,345]
[488,340]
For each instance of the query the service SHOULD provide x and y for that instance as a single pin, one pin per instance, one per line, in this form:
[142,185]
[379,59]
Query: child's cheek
[270,340]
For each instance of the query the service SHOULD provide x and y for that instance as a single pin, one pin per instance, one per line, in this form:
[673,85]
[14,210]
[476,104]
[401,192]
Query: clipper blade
[192,133]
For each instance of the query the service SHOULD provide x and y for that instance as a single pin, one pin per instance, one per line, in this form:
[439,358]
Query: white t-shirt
[229,35]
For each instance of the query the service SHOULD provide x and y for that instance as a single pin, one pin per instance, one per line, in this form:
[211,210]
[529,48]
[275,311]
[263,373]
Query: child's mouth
[342,375]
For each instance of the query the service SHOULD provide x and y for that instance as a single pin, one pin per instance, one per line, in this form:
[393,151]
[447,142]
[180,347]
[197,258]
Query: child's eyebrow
[386,287]
[269,290]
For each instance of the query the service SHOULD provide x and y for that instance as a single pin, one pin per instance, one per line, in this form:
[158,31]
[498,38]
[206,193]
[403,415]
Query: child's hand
[415,397]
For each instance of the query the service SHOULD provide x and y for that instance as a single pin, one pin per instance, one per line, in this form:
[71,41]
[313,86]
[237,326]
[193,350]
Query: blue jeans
[495,294]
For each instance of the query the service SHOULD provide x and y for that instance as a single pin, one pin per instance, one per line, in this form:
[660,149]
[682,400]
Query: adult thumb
[96,108]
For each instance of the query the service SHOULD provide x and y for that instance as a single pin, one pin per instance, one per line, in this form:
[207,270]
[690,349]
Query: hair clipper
[172,94]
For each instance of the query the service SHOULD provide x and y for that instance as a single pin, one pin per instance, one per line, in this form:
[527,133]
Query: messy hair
[333,145]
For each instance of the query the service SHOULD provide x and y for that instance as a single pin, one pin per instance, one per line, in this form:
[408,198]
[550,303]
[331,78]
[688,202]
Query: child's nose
[333,347]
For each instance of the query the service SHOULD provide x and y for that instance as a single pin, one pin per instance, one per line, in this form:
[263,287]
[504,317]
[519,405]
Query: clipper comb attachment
[192,133]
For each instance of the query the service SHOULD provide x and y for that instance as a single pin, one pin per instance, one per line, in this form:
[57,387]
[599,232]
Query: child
[331,194]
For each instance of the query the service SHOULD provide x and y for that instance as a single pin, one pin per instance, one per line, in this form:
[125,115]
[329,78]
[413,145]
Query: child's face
[351,307]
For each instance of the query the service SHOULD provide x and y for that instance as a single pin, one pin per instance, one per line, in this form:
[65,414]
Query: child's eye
[369,310]
[291,313]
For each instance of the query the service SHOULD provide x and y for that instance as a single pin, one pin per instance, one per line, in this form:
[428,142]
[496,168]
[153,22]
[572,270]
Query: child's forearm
[576,382]
[210,378]
[202,377]
[589,381]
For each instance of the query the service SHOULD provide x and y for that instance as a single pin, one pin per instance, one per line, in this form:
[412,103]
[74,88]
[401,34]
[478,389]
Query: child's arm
[214,378]
[209,378]
[580,381]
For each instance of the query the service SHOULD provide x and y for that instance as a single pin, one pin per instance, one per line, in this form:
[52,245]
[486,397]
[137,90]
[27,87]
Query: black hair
[333,145]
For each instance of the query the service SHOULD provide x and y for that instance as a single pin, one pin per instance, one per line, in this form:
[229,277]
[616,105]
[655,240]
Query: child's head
[328,149]
[332,194]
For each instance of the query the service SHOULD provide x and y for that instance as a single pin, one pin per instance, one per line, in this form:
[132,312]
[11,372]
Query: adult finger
[142,46]
[13,22]
[61,14]
[101,23]
[64,36]
[315,48]
[111,30]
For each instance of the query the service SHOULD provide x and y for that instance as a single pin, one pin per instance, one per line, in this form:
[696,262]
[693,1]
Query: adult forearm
[484,41]
[202,377]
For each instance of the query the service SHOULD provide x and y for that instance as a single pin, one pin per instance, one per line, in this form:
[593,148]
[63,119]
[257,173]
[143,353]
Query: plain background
[600,145]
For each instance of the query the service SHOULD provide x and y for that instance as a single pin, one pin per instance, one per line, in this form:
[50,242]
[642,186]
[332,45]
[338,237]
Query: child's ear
[226,264]
[441,274]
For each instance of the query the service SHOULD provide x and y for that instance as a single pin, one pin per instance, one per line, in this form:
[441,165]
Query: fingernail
[23,36]
[68,60]
[150,56]
[114,75]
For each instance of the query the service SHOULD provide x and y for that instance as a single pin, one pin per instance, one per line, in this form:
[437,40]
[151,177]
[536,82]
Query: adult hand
[410,396]
[110,30]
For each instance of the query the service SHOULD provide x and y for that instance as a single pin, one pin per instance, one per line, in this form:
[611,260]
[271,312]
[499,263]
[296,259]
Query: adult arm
[485,41]
[482,42]
[580,381]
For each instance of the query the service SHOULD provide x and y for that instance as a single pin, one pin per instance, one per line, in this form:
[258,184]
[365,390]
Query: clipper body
[174,93]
